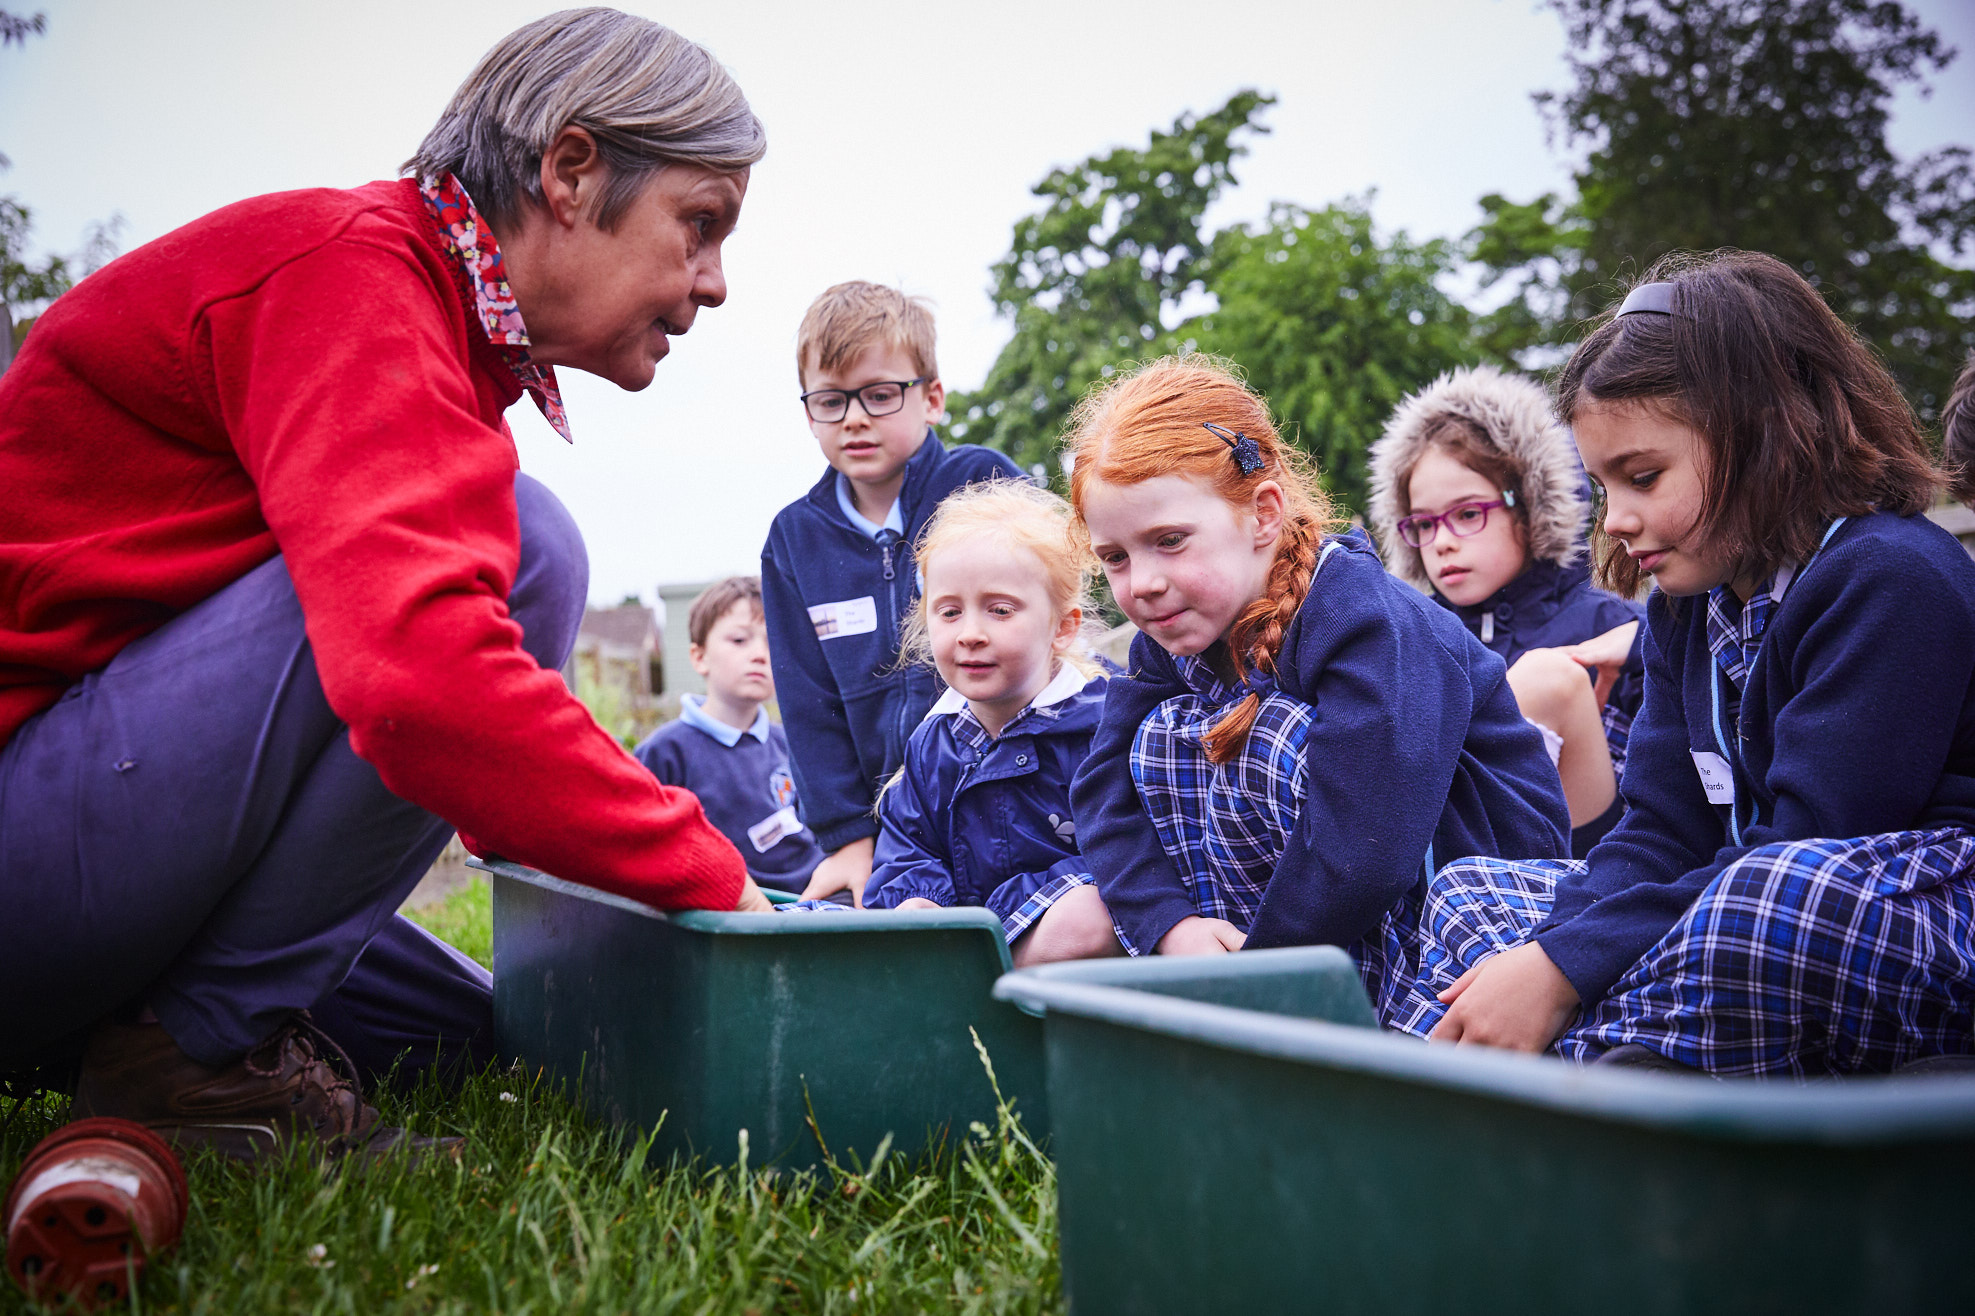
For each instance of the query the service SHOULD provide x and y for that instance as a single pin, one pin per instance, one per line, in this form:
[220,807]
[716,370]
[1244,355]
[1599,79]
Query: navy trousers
[189,829]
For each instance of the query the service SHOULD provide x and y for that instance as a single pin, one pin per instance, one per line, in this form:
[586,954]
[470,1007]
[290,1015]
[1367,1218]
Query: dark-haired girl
[1478,496]
[1790,890]
[1299,732]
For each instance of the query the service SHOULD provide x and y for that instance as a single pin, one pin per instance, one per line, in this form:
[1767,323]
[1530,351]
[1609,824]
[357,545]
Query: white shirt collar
[1066,684]
[894,519]
[692,711]
[1785,573]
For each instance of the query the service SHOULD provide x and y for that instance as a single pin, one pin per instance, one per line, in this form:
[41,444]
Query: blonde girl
[980,814]
[1299,733]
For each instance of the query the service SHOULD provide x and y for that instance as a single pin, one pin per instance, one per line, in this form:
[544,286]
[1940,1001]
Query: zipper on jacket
[885,539]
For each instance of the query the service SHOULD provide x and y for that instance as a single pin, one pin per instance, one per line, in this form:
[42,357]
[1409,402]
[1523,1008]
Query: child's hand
[918,902]
[1606,654]
[1517,999]
[1194,935]
[846,870]
[752,901]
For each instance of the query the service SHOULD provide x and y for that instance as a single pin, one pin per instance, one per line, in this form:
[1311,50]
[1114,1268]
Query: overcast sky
[903,139]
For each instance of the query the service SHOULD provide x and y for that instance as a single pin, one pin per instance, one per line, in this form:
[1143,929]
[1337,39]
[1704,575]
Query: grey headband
[1653,298]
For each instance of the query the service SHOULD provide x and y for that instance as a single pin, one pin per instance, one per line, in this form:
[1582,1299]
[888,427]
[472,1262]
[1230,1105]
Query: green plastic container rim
[1841,1112]
[822,923]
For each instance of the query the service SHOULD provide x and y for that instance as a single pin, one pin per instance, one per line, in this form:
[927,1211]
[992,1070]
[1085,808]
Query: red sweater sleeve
[344,382]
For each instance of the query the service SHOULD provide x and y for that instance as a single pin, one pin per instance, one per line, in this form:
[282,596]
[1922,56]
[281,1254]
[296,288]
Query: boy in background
[837,573]
[724,749]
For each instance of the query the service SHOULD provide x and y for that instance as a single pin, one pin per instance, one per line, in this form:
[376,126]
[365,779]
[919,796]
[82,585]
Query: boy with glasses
[837,573]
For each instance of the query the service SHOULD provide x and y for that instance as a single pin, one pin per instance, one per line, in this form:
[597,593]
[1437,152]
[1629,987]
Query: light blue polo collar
[692,711]
[894,519]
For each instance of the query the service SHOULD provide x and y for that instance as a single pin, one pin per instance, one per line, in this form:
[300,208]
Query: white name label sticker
[833,621]
[1717,778]
[770,831]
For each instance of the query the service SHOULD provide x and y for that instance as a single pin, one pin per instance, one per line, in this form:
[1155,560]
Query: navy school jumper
[1417,742]
[847,705]
[744,784]
[1858,719]
[1551,607]
[985,826]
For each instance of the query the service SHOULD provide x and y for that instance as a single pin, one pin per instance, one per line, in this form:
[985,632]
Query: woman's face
[1649,466]
[610,302]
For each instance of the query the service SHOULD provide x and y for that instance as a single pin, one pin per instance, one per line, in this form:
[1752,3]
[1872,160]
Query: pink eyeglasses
[1461,520]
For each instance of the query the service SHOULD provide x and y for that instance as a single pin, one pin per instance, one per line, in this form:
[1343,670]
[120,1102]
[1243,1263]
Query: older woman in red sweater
[277,612]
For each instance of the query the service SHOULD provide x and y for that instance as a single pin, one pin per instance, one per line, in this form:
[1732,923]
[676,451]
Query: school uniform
[985,820]
[743,782]
[835,589]
[1552,606]
[1788,891]
[1388,735]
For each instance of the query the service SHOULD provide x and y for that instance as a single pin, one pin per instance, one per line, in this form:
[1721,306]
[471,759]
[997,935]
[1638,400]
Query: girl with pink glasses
[1478,497]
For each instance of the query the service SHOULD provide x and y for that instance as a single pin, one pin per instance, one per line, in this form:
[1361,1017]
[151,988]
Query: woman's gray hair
[649,96]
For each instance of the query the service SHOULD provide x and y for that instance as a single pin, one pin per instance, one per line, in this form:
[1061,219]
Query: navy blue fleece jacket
[1417,741]
[847,705]
[1858,718]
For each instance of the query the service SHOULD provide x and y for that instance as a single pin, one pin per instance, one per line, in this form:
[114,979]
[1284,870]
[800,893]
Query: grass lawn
[549,1212]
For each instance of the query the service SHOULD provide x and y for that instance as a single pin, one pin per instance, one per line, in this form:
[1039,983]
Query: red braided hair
[1149,423]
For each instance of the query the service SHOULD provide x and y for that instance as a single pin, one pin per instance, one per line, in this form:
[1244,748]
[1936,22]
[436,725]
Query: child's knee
[1549,687]
[1076,927]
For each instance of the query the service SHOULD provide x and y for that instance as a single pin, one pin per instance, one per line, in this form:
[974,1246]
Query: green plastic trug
[701,1025]
[1285,1156]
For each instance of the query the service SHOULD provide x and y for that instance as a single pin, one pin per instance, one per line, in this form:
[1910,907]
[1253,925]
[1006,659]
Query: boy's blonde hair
[852,317]
[714,602]
[1016,514]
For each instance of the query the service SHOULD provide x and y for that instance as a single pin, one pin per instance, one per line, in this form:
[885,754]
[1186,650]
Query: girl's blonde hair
[1152,422]
[1015,514]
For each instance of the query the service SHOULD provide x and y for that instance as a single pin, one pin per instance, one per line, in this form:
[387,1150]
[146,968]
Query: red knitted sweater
[301,374]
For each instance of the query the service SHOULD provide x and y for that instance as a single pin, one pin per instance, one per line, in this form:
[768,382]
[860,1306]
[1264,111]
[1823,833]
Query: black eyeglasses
[882,398]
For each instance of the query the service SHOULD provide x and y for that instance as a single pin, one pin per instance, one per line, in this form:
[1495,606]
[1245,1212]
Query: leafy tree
[1758,124]
[1097,275]
[1333,326]
[27,285]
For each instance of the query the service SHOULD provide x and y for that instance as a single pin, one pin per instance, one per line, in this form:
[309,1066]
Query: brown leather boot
[296,1083]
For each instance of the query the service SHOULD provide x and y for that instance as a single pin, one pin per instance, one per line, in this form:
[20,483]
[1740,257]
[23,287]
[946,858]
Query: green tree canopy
[1093,278]
[1758,124]
[27,284]
[1333,326]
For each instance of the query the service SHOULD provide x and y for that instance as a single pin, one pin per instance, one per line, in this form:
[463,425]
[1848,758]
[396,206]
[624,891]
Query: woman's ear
[573,175]
[1268,513]
[1066,630]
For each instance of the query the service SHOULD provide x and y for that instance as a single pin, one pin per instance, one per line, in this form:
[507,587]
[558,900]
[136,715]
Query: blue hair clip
[1652,298]
[1247,452]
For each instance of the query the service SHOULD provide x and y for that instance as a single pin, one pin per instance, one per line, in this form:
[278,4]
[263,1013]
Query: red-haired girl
[1299,733]
[1790,888]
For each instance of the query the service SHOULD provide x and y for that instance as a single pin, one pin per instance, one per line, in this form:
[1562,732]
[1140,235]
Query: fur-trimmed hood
[1516,415]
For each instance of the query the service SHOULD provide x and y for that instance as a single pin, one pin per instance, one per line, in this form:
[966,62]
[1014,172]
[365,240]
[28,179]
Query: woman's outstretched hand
[1517,999]
[752,901]
[1194,935]
[1606,655]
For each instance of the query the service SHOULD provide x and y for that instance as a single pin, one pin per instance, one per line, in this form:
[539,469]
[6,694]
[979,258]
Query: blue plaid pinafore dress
[1226,825]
